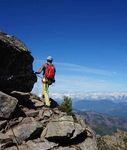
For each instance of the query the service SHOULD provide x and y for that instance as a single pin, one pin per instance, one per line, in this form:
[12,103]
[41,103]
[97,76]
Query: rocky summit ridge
[25,122]
[117,141]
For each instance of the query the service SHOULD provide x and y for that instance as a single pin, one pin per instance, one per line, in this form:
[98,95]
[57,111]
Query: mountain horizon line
[120,96]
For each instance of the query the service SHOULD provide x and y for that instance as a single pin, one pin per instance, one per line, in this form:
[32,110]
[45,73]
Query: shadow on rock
[23,99]
[66,141]
[54,104]
[18,113]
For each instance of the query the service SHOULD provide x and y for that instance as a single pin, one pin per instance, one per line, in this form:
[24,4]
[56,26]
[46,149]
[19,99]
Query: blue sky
[87,39]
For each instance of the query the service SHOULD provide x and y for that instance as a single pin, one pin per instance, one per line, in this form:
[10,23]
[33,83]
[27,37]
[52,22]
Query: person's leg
[45,92]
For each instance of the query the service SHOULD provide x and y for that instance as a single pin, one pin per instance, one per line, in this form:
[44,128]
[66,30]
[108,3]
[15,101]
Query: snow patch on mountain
[114,96]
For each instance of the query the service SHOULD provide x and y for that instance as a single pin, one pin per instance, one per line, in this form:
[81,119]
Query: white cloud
[77,87]
[80,68]
[114,96]
[68,67]
[75,80]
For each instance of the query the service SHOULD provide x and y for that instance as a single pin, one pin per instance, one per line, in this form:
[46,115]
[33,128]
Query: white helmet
[49,58]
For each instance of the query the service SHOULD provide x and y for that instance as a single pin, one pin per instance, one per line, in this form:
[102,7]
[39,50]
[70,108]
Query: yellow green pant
[45,91]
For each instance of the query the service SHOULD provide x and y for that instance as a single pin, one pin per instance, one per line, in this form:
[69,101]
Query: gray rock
[84,125]
[47,113]
[28,120]
[62,128]
[116,141]
[32,113]
[41,145]
[25,130]
[5,140]
[81,121]
[88,144]
[30,145]
[7,105]
[15,121]
[37,103]
[57,111]
[20,147]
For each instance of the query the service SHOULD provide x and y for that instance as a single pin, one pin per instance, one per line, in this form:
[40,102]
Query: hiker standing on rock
[48,78]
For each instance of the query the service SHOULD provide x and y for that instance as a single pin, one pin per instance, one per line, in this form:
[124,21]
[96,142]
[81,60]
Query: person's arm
[41,69]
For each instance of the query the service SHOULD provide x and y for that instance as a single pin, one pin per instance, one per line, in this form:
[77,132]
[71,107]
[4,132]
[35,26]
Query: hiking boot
[43,96]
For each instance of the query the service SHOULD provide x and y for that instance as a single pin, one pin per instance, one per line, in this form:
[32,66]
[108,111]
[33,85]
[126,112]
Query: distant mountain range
[113,104]
[104,112]
[113,96]
[103,124]
[102,106]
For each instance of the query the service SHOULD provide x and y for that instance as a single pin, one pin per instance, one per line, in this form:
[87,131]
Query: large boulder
[7,105]
[25,130]
[62,127]
[16,71]
[67,131]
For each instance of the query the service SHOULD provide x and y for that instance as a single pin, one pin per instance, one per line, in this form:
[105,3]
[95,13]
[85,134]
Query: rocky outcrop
[26,129]
[25,123]
[16,71]
[33,126]
[104,124]
[117,141]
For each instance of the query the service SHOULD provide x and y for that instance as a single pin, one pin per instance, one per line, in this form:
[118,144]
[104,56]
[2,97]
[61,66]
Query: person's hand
[37,73]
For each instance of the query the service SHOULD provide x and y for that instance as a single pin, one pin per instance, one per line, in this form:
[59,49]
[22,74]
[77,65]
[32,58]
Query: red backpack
[50,71]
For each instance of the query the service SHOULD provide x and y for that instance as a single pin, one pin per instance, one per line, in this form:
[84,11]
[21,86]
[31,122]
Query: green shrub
[66,106]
